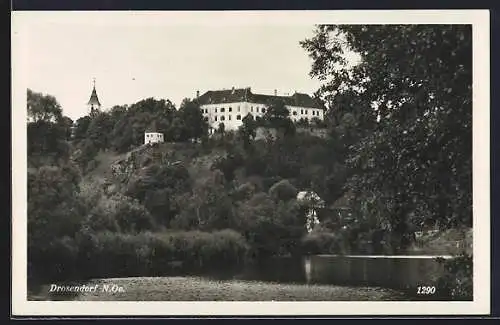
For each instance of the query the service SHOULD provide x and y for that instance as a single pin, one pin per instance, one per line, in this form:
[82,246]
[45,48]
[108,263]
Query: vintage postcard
[261,163]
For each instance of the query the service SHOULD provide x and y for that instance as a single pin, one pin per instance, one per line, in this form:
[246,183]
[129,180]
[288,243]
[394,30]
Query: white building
[153,137]
[313,202]
[232,105]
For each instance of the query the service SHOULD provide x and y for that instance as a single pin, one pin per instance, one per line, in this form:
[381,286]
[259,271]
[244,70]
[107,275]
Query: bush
[322,243]
[110,254]
[54,261]
[203,250]
[283,191]
[457,281]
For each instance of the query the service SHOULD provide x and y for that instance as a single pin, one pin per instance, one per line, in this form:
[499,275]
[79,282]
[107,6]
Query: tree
[156,189]
[43,108]
[82,125]
[54,216]
[47,131]
[271,228]
[283,191]
[277,116]
[208,207]
[248,129]
[416,81]
[99,130]
[130,123]
[193,118]
[221,129]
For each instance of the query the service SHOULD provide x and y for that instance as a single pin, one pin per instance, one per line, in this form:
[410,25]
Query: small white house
[153,137]
[313,202]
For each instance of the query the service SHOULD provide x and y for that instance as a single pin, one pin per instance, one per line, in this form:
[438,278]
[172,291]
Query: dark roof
[93,98]
[344,201]
[246,95]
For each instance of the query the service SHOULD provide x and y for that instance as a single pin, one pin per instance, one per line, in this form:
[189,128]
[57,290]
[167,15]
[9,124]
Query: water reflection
[400,272]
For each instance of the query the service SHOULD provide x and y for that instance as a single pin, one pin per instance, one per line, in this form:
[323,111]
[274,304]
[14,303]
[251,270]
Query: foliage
[191,115]
[409,126]
[248,129]
[51,200]
[119,213]
[110,254]
[156,189]
[457,281]
[43,108]
[283,191]
[48,131]
[208,207]
[53,219]
[271,228]
[322,243]
[278,116]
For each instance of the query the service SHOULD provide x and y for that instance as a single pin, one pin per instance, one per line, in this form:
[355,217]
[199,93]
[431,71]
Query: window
[229,117]
[251,108]
[238,117]
[222,118]
[216,111]
[294,112]
[263,110]
[222,109]
[230,109]
[301,111]
[215,118]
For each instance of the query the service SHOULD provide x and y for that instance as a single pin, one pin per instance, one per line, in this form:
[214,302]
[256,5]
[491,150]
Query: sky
[136,57]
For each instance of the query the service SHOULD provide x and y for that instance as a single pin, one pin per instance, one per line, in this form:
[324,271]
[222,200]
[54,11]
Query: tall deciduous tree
[248,130]
[190,112]
[47,131]
[43,107]
[277,116]
[414,164]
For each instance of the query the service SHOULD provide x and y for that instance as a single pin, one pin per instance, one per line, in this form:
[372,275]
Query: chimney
[275,92]
[197,93]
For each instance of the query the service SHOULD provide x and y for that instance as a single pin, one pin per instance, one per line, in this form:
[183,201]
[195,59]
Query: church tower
[94,105]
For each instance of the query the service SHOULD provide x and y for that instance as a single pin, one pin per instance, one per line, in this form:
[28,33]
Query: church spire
[93,102]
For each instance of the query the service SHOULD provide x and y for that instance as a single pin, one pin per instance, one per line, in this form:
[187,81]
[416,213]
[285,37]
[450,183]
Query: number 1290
[426,290]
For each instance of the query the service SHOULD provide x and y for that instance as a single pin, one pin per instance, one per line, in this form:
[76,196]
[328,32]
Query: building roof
[343,202]
[310,197]
[93,98]
[245,95]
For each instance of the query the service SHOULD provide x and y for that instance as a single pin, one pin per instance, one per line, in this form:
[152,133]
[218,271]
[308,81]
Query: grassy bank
[200,289]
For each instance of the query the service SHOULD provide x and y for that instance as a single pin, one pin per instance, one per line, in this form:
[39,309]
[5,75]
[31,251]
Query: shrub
[53,261]
[283,191]
[110,254]
[457,281]
[322,243]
